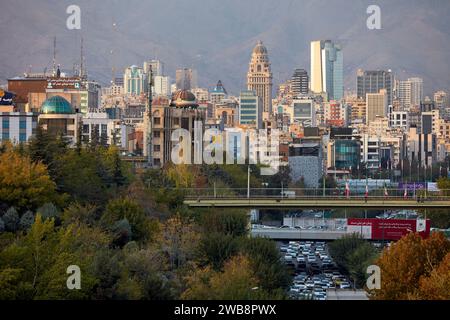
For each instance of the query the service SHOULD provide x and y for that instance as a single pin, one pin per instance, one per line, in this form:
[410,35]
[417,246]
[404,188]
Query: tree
[436,286]
[23,183]
[358,261]
[2,225]
[216,248]
[266,262]
[179,240]
[142,227]
[79,213]
[228,221]
[26,221]
[122,232]
[46,147]
[236,282]
[48,211]
[406,262]
[340,249]
[11,220]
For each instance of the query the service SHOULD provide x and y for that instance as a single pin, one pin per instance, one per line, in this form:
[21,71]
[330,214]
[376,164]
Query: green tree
[227,221]
[26,221]
[216,248]
[358,261]
[11,220]
[142,227]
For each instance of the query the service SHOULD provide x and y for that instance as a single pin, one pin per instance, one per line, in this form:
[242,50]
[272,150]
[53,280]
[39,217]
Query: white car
[288,257]
[345,285]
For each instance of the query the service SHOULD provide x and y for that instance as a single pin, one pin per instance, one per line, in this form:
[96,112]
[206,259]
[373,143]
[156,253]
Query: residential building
[376,105]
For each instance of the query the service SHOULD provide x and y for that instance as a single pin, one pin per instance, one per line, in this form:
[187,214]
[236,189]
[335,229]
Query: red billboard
[388,229]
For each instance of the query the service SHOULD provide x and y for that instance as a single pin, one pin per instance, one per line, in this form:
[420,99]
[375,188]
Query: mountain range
[216,37]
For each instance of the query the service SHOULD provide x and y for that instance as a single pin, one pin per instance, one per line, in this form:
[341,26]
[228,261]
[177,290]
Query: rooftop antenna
[54,56]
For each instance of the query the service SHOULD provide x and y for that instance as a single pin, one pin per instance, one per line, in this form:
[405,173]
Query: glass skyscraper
[327,69]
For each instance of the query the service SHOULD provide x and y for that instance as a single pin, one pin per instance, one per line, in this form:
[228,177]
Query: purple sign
[411,186]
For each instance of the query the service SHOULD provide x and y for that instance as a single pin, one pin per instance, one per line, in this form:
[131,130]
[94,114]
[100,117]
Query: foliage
[142,227]
[216,248]
[26,221]
[179,240]
[78,213]
[409,267]
[48,211]
[24,184]
[353,255]
[11,220]
[227,221]
[237,281]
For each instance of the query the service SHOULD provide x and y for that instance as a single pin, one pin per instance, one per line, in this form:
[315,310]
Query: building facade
[373,81]
[300,82]
[327,69]
[259,76]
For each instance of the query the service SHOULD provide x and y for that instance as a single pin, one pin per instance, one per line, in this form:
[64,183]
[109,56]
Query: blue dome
[56,105]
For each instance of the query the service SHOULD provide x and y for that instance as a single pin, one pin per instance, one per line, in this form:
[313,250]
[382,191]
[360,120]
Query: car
[344,285]
[288,257]
[300,259]
[285,227]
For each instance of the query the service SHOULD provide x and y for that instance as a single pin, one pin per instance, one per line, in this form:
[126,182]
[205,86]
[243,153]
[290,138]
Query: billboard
[64,83]
[411,186]
[6,98]
[302,110]
[388,229]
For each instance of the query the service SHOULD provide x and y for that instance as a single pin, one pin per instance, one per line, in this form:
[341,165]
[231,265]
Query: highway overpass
[316,203]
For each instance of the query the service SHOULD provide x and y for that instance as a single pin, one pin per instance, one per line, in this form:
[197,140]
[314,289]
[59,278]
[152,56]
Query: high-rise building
[327,69]
[376,105]
[186,79]
[300,82]
[410,92]
[157,67]
[373,82]
[134,80]
[259,76]
[161,85]
[250,109]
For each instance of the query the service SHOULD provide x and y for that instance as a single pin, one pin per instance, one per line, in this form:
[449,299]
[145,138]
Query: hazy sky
[216,37]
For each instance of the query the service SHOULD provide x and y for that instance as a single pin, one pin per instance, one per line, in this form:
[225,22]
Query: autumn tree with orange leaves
[415,269]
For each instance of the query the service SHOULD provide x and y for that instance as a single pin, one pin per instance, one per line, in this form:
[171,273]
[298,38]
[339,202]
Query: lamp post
[248,182]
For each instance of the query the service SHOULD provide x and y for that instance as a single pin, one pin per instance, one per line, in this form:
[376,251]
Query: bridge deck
[315,203]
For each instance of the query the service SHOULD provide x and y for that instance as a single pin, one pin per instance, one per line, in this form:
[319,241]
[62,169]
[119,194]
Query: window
[5,136]
[156,134]
[176,121]
[5,123]
[157,120]
[22,137]
[23,124]
[156,148]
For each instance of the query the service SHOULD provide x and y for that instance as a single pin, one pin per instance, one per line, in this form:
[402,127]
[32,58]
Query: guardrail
[315,194]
